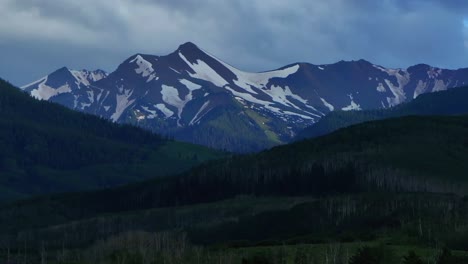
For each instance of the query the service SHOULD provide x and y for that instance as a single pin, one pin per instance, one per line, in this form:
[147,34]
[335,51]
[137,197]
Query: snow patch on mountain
[84,105]
[80,77]
[433,73]
[170,95]
[42,80]
[190,85]
[439,85]
[44,92]
[90,96]
[166,111]
[174,70]
[122,103]
[297,114]
[145,68]
[152,113]
[381,88]
[86,78]
[101,92]
[420,89]
[197,116]
[353,106]
[279,95]
[403,78]
[284,114]
[397,91]
[327,104]
[247,80]
[97,75]
[248,97]
[204,72]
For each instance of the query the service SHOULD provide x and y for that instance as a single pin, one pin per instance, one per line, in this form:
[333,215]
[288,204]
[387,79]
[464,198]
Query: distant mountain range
[450,102]
[195,97]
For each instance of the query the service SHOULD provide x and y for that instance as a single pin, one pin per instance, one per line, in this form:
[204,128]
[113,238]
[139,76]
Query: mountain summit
[199,98]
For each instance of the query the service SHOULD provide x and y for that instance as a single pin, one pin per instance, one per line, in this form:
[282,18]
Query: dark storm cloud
[38,36]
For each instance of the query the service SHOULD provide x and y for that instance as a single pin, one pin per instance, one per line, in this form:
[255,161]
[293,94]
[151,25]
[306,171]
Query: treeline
[173,247]
[347,218]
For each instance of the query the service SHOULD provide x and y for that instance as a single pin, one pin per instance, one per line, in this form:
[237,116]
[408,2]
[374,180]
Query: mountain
[65,82]
[196,97]
[450,102]
[47,148]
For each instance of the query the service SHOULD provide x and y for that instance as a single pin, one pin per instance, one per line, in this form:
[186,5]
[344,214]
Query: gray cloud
[38,36]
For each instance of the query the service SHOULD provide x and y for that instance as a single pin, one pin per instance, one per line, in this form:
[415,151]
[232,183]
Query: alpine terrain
[194,96]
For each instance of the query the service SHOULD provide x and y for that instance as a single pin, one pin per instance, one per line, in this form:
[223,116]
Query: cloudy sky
[39,36]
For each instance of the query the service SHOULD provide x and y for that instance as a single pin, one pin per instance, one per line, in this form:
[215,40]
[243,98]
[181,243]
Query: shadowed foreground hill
[47,148]
[383,182]
[404,154]
[410,154]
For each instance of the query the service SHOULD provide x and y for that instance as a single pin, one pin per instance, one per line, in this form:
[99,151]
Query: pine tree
[300,257]
[412,258]
[364,256]
[256,260]
[445,257]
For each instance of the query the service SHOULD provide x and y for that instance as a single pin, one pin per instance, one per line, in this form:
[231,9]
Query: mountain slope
[198,98]
[450,102]
[47,148]
[65,82]
[410,154]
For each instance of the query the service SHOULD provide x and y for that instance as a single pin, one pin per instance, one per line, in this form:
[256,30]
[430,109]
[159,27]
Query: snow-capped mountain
[197,97]
[65,86]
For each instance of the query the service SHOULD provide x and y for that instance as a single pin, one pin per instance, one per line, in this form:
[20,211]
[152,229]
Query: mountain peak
[63,69]
[420,66]
[137,57]
[190,49]
[363,61]
[138,60]
[188,46]
[96,71]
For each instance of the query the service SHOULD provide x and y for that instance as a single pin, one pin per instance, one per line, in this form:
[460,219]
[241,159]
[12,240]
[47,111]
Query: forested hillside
[47,148]
[385,181]
[411,154]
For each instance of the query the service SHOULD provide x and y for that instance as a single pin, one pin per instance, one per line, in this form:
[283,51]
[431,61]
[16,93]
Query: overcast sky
[39,36]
